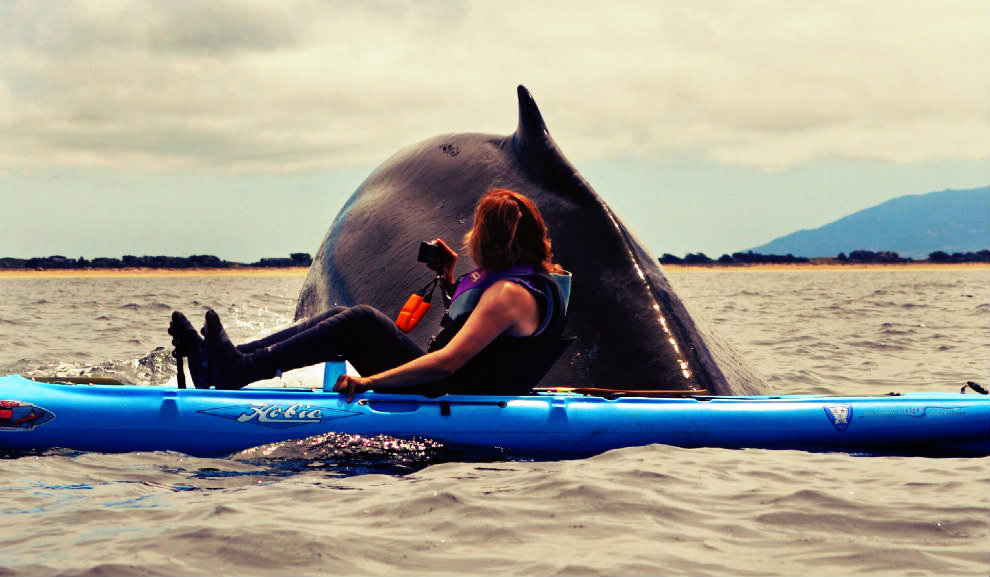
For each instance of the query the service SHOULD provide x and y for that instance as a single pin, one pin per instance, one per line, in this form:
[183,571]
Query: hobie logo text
[271,413]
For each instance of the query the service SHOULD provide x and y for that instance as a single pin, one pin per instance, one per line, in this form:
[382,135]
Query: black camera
[432,254]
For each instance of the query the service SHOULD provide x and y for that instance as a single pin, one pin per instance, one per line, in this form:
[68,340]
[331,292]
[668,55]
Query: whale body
[628,328]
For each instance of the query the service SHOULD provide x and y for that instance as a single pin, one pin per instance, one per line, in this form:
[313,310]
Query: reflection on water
[346,455]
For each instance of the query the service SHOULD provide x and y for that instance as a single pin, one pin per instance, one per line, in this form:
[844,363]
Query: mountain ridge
[950,220]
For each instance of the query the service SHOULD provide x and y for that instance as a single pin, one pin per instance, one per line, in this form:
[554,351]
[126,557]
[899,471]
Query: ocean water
[351,506]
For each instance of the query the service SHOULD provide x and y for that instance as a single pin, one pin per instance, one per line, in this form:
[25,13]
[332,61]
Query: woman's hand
[447,269]
[351,385]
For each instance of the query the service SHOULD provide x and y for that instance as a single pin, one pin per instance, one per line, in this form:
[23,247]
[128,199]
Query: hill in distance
[913,226]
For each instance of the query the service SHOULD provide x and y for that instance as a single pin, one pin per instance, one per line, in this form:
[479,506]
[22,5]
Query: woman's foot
[229,368]
[188,343]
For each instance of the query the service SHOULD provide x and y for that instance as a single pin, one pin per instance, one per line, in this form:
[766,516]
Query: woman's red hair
[509,230]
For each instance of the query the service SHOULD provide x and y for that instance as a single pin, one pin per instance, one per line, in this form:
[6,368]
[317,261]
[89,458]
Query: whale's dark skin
[631,330]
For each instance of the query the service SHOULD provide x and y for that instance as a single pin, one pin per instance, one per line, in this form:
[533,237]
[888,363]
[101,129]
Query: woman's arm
[506,307]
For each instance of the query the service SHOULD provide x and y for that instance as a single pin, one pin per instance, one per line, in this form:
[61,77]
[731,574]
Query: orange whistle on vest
[412,312]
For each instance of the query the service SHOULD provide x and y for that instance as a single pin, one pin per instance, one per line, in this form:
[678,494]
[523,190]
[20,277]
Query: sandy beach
[301,271]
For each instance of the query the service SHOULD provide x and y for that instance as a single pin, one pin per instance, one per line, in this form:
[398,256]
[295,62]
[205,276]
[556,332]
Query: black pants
[362,335]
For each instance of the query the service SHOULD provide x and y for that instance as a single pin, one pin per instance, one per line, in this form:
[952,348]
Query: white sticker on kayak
[840,415]
[279,416]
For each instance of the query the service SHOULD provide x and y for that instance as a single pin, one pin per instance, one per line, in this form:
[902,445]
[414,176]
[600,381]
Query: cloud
[306,84]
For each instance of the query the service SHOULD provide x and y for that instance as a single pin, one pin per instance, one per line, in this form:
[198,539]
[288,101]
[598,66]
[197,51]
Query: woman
[501,314]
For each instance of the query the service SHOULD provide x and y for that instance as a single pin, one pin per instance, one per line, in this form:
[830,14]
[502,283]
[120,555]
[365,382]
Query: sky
[239,128]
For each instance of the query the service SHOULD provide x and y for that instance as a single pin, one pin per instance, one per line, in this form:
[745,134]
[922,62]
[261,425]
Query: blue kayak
[121,418]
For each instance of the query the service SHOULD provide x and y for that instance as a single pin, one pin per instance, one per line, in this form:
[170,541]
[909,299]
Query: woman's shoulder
[508,288]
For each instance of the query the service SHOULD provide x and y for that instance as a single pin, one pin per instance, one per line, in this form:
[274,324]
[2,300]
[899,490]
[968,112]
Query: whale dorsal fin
[531,125]
[540,155]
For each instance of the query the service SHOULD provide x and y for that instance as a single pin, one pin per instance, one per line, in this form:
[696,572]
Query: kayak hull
[127,418]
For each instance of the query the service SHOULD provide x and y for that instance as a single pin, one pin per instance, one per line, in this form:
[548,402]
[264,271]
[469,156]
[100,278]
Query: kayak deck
[125,418]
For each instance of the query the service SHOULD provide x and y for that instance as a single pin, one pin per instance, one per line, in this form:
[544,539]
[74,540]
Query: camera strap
[427,291]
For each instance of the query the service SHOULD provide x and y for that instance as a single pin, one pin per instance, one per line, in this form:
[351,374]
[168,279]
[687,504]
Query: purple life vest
[509,365]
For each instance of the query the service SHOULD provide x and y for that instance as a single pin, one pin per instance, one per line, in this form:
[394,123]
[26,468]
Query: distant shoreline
[302,270]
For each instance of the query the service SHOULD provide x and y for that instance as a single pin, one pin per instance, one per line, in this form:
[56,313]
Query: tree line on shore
[854,257]
[298,259]
[159,262]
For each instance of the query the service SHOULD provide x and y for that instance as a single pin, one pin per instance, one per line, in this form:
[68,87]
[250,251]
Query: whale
[626,327]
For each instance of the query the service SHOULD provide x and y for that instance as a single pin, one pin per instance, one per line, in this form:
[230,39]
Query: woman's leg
[368,339]
[289,331]
[364,336]
[190,345]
